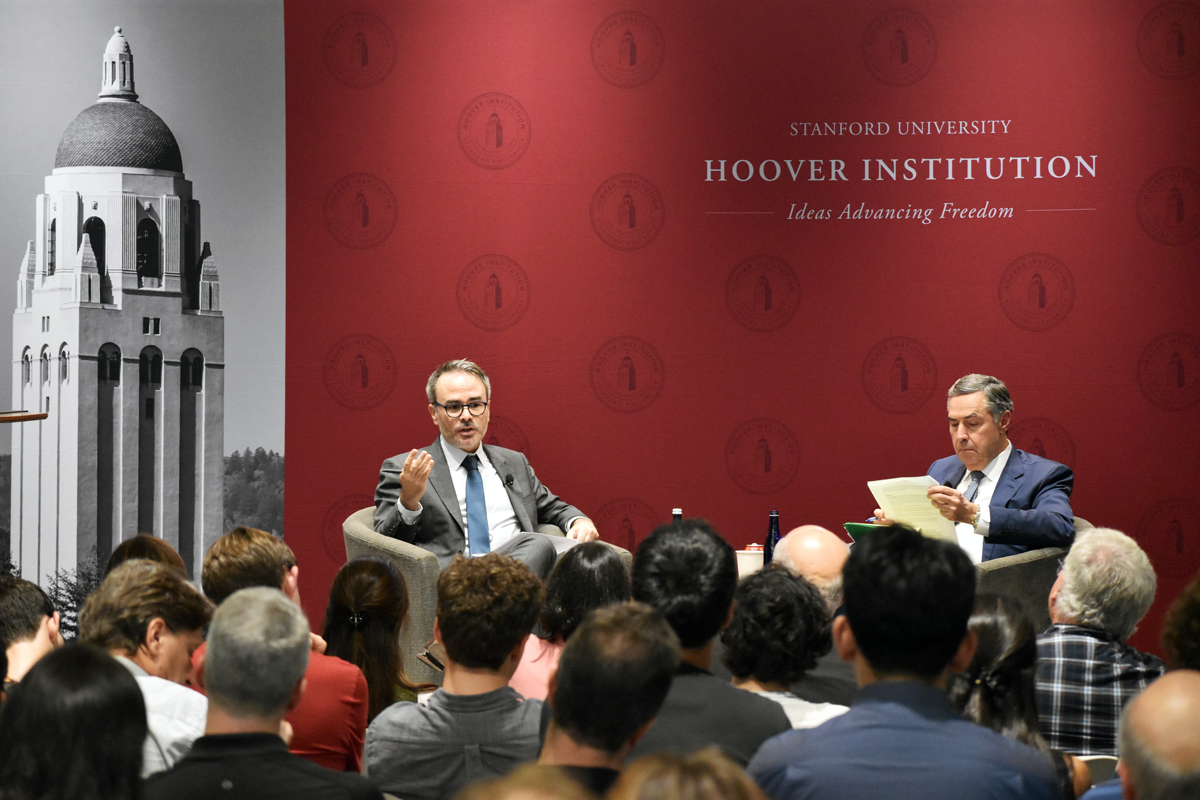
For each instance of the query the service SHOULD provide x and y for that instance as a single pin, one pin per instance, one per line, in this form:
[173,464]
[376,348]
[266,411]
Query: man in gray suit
[461,496]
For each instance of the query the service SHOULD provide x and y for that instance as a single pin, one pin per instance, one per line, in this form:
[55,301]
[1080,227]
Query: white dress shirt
[971,537]
[176,716]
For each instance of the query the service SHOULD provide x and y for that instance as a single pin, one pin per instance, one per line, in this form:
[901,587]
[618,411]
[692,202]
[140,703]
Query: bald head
[818,555]
[1160,740]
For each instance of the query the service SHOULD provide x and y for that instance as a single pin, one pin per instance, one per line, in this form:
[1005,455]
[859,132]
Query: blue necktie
[477,524]
[969,495]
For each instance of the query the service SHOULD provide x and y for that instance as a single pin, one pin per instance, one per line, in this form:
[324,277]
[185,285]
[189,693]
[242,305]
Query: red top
[330,723]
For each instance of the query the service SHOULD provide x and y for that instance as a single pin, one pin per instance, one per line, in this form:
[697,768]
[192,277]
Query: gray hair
[1152,776]
[1108,582]
[257,652]
[831,590]
[995,393]
[457,365]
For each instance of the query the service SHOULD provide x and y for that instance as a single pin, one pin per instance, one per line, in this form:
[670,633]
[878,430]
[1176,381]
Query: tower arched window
[52,248]
[45,365]
[148,257]
[64,361]
[191,370]
[150,368]
[110,364]
[26,367]
[94,228]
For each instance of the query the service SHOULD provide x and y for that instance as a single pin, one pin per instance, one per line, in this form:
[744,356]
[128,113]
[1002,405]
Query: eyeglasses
[454,410]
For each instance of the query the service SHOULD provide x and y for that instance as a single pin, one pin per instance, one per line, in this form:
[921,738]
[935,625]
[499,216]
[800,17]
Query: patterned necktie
[477,524]
[969,495]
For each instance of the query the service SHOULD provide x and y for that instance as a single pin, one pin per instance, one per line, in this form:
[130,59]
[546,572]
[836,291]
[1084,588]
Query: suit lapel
[506,468]
[1010,479]
[956,475]
[442,485]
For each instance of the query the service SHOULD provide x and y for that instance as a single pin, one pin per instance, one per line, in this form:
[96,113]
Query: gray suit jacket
[441,528]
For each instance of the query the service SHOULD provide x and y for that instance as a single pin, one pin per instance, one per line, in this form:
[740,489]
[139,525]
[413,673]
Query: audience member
[611,681]
[253,672]
[149,547]
[73,730]
[530,782]
[29,626]
[330,721]
[703,775]
[1086,672]
[476,726]
[780,627]
[817,555]
[151,619]
[689,573]
[368,603]
[588,576]
[996,690]
[1160,740]
[1181,629]
[907,602]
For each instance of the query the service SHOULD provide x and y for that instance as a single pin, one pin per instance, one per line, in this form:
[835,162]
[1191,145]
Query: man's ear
[1127,789]
[198,672]
[519,651]
[291,584]
[297,693]
[551,686]
[966,652]
[433,414]
[153,640]
[843,639]
[1005,421]
[54,629]
[437,632]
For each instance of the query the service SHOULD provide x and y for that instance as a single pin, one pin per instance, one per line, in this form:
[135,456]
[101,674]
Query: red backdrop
[538,186]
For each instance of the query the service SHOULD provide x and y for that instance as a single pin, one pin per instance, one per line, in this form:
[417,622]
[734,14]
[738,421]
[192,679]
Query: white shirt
[803,714]
[502,519]
[970,537]
[176,716]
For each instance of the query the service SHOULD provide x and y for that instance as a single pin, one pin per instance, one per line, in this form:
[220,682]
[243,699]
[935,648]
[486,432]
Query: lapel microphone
[508,481]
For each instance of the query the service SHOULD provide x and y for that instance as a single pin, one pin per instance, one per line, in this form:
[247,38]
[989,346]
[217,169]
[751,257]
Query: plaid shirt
[1085,676]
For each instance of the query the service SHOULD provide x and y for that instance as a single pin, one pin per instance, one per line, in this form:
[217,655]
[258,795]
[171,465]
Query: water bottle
[772,538]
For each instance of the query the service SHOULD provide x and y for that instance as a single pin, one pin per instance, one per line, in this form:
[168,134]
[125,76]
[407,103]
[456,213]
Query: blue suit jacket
[1030,508]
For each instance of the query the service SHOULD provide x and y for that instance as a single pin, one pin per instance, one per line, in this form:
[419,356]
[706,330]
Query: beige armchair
[420,570]
[1026,576]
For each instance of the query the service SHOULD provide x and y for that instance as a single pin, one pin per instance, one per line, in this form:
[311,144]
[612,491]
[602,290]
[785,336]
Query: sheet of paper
[904,500]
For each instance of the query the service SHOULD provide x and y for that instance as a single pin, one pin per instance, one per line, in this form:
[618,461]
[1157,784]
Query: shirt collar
[456,456]
[924,698]
[996,466]
[133,668]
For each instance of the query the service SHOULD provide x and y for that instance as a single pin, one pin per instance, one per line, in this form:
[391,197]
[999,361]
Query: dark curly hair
[780,627]
[486,606]
[588,576]
[1181,628]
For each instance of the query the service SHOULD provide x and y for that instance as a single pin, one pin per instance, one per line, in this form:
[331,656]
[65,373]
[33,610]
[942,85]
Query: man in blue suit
[1017,501]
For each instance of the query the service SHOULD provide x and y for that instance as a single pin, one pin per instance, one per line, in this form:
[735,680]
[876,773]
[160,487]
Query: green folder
[858,529]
